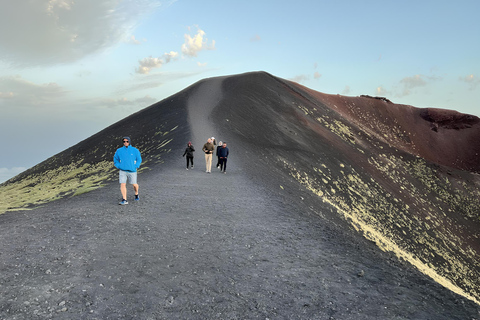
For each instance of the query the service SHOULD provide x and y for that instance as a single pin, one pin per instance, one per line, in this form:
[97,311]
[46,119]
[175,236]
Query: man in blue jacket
[127,159]
[223,156]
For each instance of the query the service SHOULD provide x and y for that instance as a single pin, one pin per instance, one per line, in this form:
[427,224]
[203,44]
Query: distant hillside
[406,178]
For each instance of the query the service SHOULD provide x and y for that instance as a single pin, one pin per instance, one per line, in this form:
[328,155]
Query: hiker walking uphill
[189,152]
[208,148]
[127,159]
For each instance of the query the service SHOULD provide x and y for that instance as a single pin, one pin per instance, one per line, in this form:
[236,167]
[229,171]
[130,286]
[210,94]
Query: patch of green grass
[37,189]
[423,232]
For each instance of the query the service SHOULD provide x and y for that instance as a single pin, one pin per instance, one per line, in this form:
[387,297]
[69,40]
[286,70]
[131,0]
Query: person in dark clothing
[223,155]
[220,145]
[189,153]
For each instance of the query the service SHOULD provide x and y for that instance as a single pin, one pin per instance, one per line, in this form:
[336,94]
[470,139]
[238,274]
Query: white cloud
[346,90]
[190,48]
[140,102]
[300,78]
[21,92]
[381,91]
[147,64]
[197,43]
[317,75]
[471,80]
[133,40]
[7,173]
[55,31]
[170,56]
[410,83]
[53,4]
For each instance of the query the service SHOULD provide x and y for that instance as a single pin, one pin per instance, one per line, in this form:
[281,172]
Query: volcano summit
[333,207]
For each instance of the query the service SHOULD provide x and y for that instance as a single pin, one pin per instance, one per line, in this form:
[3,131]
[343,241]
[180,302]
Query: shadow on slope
[400,175]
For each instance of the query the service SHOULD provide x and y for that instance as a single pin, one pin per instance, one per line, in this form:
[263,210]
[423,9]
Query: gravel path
[201,246]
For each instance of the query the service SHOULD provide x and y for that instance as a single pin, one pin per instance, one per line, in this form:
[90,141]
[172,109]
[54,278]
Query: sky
[70,68]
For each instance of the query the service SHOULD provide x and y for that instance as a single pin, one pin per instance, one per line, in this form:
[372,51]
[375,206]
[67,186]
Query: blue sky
[69,68]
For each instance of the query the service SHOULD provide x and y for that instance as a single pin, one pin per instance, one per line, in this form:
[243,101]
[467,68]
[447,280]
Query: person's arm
[139,159]
[116,160]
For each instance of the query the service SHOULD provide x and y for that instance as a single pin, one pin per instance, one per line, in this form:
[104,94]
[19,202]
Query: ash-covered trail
[201,246]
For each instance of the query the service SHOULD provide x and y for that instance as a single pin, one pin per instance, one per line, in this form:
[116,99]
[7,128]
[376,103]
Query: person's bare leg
[123,189]
[135,188]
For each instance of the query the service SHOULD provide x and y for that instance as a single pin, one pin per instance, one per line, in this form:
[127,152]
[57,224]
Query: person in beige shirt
[208,148]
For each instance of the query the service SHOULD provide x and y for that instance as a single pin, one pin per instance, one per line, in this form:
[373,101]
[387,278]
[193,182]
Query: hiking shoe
[123,202]
[137,198]
[192,166]
[187,168]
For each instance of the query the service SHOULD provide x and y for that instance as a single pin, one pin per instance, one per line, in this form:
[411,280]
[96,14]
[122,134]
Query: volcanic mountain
[392,185]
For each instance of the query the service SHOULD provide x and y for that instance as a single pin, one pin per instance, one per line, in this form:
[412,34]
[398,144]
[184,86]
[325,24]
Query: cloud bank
[54,31]
[19,92]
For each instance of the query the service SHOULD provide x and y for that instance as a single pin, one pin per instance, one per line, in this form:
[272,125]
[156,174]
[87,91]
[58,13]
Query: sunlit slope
[371,165]
[89,164]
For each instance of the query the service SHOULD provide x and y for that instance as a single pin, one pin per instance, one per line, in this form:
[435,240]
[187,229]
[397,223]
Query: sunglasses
[125,141]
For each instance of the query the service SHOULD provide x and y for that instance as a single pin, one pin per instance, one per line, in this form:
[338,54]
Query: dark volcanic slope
[248,246]
[88,165]
[397,173]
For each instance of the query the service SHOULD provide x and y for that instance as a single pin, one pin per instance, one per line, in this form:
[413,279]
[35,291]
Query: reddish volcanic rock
[446,137]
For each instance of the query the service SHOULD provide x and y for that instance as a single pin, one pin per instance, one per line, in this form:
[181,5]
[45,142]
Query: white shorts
[125,176]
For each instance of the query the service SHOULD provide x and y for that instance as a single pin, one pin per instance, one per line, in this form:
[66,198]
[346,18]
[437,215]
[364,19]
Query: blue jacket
[127,159]
[223,152]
